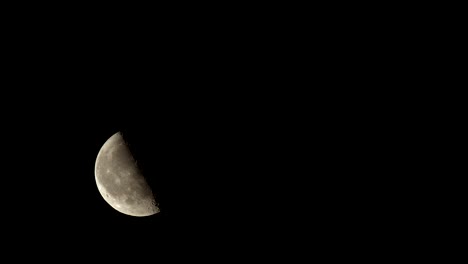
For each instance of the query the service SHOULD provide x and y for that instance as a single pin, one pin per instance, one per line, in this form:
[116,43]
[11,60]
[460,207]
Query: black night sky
[208,155]
[262,131]
[212,124]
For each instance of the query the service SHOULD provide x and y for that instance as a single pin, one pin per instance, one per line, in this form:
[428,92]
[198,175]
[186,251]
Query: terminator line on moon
[120,181]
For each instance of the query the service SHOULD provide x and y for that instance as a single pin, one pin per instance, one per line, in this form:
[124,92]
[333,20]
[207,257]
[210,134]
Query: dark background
[209,143]
[254,138]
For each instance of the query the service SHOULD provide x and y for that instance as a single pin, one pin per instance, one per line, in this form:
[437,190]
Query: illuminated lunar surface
[120,181]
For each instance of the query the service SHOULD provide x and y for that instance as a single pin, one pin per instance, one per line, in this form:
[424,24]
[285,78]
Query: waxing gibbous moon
[120,181]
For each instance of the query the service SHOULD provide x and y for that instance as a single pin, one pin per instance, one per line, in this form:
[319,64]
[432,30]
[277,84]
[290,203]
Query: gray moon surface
[120,181]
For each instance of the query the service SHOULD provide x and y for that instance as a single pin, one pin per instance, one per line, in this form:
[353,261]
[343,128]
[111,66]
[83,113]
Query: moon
[120,181]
